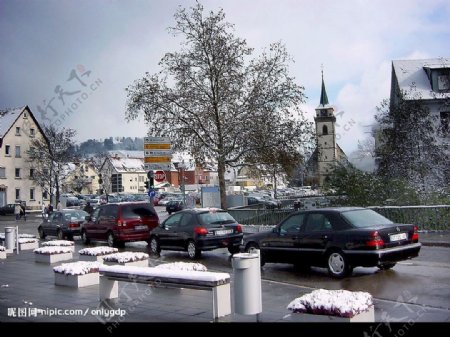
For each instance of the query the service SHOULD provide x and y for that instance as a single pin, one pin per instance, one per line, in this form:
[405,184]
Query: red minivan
[120,222]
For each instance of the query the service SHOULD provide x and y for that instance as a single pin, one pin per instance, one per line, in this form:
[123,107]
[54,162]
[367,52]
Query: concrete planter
[98,258]
[140,263]
[76,281]
[366,316]
[53,258]
[28,245]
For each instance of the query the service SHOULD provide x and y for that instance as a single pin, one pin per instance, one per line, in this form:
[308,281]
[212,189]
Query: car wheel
[193,251]
[338,266]
[254,246]
[155,248]
[233,249]
[386,266]
[41,233]
[110,239]
[84,238]
[60,234]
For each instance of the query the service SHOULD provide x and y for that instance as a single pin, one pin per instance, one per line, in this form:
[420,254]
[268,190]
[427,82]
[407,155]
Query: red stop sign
[160,176]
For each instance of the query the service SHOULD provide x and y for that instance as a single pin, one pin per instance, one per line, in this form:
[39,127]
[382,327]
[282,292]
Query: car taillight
[121,223]
[376,241]
[415,237]
[73,225]
[200,230]
[239,228]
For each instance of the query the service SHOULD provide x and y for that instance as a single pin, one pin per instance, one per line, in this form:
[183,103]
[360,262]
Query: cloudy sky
[72,60]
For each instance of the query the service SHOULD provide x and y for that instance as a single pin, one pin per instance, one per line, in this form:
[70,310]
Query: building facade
[18,127]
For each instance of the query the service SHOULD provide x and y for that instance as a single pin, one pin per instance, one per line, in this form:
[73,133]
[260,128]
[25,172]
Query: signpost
[157,153]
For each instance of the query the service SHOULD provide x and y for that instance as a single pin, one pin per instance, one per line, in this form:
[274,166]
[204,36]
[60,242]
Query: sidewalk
[435,238]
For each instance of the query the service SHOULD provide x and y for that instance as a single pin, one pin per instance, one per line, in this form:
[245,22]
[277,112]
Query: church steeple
[323,94]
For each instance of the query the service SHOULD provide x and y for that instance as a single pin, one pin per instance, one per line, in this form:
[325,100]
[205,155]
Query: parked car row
[339,239]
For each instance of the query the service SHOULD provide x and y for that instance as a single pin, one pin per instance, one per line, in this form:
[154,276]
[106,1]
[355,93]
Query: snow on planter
[2,253]
[186,266]
[53,254]
[27,243]
[63,243]
[127,259]
[77,274]
[27,236]
[96,253]
[335,303]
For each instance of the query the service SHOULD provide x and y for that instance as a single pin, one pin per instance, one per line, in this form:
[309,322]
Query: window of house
[17,193]
[31,193]
[25,114]
[17,130]
[17,173]
[7,150]
[2,172]
[45,195]
[325,130]
[443,82]
[32,133]
[31,173]
[17,151]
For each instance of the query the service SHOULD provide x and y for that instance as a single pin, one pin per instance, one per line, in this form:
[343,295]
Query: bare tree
[210,98]
[49,157]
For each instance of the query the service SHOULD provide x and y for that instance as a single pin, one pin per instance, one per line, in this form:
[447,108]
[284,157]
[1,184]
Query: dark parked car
[196,230]
[120,222]
[7,209]
[174,206]
[63,224]
[337,238]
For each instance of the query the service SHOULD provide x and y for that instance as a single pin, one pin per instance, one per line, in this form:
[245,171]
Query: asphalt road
[420,282]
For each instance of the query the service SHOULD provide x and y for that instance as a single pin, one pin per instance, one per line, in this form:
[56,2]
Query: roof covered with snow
[8,117]
[412,74]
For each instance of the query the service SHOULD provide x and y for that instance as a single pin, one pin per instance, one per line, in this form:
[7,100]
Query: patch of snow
[27,240]
[29,236]
[341,303]
[77,268]
[57,243]
[96,251]
[52,250]
[2,248]
[169,273]
[187,266]
[125,257]
[4,286]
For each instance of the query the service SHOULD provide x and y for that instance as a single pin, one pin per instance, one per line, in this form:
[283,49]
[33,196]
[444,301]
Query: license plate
[140,228]
[398,237]
[224,232]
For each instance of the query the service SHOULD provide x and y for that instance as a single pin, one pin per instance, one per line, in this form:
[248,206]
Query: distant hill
[92,146]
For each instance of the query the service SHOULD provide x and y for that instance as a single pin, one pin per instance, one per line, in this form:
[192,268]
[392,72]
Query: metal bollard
[247,283]
[10,238]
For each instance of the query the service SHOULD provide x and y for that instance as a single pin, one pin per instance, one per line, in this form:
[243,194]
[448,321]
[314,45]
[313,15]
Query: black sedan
[174,206]
[337,238]
[196,230]
[7,209]
[63,224]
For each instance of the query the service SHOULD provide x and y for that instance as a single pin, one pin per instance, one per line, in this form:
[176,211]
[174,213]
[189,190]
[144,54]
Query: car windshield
[365,218]
[72,216]
[214,218]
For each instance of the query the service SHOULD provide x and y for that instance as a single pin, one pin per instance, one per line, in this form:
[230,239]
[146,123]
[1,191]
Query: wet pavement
[26,286]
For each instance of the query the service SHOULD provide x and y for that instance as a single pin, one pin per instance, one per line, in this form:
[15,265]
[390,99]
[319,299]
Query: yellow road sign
[157,159]
[157,146]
